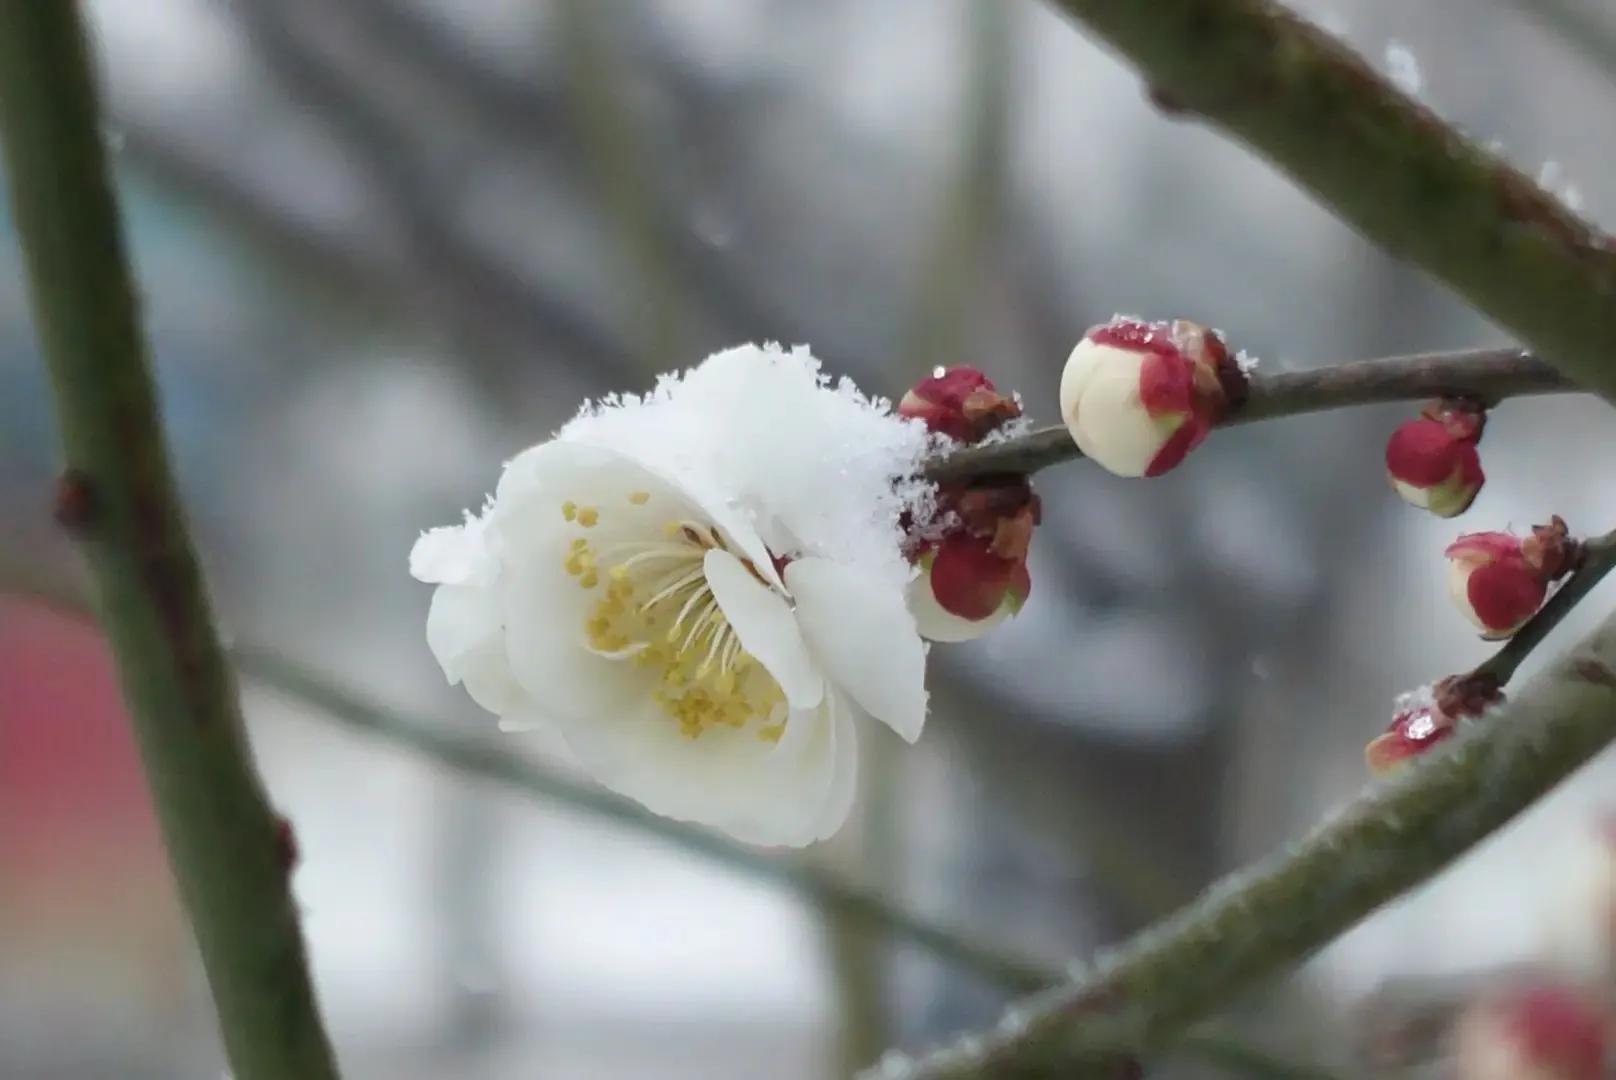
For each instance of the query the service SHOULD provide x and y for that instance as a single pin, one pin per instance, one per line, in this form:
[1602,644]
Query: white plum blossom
[701,590]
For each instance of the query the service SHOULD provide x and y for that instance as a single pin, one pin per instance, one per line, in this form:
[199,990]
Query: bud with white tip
[1433,462]
[1499,580]
[1138,397]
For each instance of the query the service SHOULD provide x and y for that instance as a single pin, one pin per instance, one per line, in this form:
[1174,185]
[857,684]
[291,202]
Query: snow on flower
[702,590]
[1138,397]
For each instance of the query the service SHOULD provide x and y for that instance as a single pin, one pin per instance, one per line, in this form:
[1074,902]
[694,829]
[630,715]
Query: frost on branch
[702,590]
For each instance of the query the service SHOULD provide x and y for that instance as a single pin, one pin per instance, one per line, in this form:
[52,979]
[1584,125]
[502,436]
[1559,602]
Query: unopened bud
[1433,462]
[1138,397]
[959,402]
[1499,580]
[964,589]
[1425,718]
[1544,1032]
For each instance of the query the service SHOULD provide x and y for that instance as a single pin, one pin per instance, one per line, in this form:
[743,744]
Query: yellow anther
[771,732]
[590,579]
[588,516]
[619,572]
[575,563]
[569,510]
[580,544]
[639,498]
[672,529]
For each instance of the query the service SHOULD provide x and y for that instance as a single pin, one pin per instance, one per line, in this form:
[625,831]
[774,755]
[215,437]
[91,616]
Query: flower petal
[465,631]
[772,794]
[864,637]
[767,629]
[453,555]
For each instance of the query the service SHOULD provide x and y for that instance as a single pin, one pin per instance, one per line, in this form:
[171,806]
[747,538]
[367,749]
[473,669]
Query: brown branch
[225,845]
[1489,375]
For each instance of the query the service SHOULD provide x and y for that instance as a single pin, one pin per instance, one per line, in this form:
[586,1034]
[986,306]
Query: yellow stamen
[639,498]
[569,510]
[588,516]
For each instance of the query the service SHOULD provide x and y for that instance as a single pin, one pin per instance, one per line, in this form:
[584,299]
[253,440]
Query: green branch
[1383,163]
[1259,922]
[1488,375]
[118,496]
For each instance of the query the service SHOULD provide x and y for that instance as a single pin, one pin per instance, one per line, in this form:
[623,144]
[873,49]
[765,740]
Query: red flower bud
[1426,718]
[1533,1033]
[1138,397]
[960,402]
[964,589]
[1433,462]
[1498,580]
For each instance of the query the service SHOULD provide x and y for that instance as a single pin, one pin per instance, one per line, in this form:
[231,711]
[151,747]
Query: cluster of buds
[1543,1032]
[1138,397]
[973,574]
[1433,462]
[1426,718]
[1499,580]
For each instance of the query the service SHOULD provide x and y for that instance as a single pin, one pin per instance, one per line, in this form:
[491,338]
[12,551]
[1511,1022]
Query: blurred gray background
[384,244]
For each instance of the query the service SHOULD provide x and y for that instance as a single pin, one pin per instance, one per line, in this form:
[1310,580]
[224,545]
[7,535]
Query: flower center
[656,610]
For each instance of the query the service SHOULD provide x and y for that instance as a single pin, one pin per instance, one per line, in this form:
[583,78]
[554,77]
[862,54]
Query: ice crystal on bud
[1427,716]
[1433,462]
[1499,580]
[1138,397]
[701,590]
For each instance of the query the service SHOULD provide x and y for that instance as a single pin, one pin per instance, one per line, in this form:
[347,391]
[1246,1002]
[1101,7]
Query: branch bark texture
[1259,922]
[1487,375]
[1382,162]
[118,495]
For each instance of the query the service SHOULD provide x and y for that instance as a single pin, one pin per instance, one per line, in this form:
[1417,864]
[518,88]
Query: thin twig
[1489,375]
[1598,558]
[224,843]
[1382,162]
[1263,920]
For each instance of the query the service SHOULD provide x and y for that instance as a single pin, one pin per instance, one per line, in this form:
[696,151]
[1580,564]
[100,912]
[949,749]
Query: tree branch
[1383,163]
[118,495]
[1258,922]
[1489,375]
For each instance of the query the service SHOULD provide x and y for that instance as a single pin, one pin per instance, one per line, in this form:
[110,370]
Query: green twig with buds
[1263,920]
[1485,375]
[117,495]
